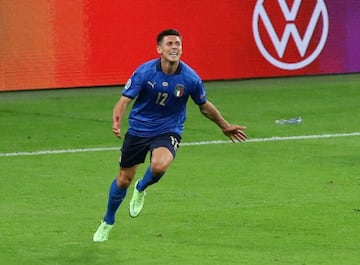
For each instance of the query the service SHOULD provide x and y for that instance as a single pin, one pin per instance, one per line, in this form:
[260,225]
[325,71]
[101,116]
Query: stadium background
[290,195]
[77,43]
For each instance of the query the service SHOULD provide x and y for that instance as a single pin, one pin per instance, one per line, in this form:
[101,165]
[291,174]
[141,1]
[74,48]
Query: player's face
[170,48]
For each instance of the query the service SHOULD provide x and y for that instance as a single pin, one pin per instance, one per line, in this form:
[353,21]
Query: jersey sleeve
[199,93]
[133,86]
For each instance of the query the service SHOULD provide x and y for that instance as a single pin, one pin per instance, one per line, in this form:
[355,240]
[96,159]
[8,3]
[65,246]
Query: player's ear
[159,50]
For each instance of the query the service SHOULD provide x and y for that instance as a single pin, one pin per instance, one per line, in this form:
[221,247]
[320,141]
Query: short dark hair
[167,32]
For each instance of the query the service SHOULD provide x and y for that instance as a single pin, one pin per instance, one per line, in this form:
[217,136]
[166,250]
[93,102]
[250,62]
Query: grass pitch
[257,203]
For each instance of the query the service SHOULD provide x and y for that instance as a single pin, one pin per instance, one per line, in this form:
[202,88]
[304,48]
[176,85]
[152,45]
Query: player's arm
[118,114]
[234,132]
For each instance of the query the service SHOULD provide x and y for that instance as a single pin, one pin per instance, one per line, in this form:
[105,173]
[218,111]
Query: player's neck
[168,67]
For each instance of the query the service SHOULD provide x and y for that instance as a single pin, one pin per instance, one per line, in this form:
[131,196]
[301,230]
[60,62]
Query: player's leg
[117,194]
[161,159]
[118,191]
[163,151]
[133,152]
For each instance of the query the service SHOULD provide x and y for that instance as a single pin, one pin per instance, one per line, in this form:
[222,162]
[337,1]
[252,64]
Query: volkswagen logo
[274,34]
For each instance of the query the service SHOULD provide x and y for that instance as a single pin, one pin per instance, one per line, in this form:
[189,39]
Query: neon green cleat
[102,233]
[136,202]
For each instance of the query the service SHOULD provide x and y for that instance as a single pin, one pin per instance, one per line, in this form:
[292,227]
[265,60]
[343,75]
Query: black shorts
[135,149]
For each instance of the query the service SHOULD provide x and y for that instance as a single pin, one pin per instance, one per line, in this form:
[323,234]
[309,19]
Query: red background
[75,43]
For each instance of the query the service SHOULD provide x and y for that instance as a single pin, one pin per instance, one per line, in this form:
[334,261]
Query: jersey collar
[158,67]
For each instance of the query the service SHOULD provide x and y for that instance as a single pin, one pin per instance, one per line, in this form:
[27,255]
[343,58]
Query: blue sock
[116,196]
[148,179]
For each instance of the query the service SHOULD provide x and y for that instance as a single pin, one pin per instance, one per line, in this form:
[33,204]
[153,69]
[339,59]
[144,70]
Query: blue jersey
[160,99]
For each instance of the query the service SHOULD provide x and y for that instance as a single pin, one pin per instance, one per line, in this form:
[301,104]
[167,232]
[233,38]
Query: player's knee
[160,161]
[123,181]
[158,169]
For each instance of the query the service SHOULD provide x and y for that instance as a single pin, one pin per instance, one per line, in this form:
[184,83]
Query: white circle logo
[275,54]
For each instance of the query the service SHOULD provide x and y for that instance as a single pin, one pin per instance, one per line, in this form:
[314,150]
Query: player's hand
[235,133]
[116,132]
[116,129]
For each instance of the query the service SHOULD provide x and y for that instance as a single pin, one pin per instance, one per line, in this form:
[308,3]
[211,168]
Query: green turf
[257,203]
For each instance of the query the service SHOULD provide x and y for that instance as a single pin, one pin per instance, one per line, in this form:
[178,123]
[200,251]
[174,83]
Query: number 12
[161,98]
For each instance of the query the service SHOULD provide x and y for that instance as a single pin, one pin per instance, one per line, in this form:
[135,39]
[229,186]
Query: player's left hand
[235,133]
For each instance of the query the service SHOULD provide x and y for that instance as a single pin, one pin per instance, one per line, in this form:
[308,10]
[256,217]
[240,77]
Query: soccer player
[161,88]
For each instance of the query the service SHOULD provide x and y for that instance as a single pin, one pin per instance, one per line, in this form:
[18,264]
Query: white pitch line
[269,139]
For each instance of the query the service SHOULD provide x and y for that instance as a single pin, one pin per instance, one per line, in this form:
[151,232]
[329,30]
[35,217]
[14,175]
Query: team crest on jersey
[179,90]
